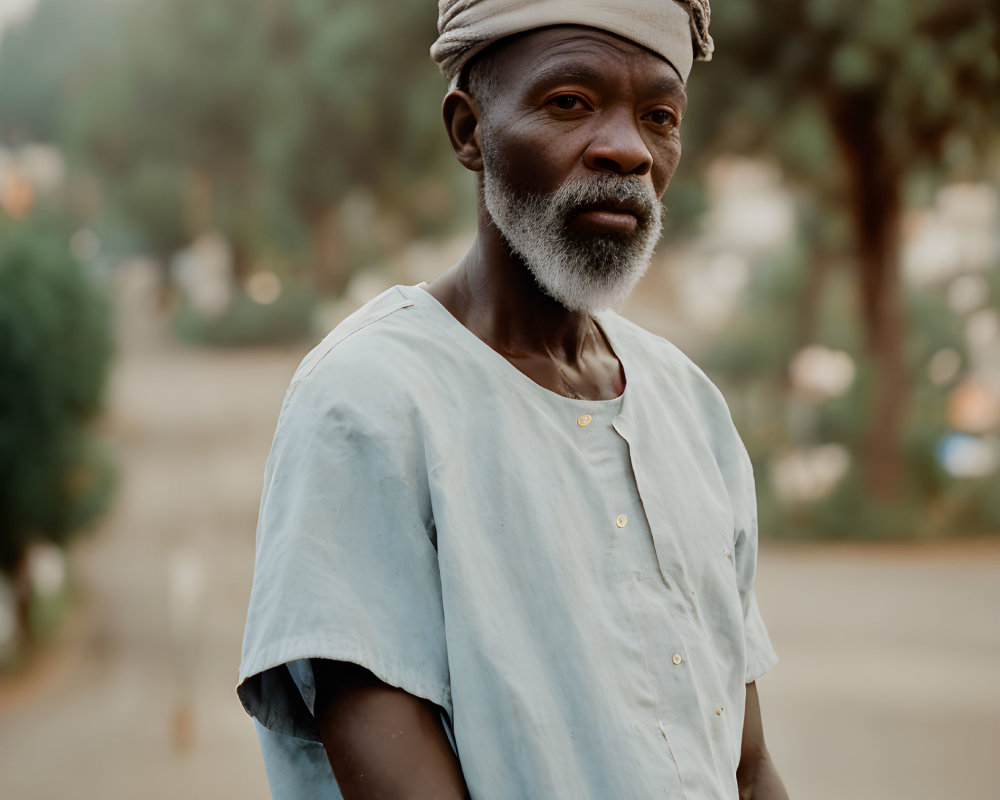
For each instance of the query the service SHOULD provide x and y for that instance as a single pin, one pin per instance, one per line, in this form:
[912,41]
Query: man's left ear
[461,120]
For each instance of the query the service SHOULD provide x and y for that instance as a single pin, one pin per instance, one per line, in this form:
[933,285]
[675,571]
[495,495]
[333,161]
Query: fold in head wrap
[677,30]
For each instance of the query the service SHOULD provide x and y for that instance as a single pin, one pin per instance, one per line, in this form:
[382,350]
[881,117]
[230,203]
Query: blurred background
[192,193]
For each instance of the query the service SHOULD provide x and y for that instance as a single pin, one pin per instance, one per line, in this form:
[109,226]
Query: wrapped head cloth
[676,30]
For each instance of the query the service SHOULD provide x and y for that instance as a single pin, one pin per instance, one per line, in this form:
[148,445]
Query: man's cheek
[534,168]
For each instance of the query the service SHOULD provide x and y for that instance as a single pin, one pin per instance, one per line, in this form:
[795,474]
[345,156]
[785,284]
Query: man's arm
[756,775]
[382,742]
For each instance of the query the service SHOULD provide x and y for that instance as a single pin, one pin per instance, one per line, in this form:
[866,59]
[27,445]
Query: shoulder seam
[345,337]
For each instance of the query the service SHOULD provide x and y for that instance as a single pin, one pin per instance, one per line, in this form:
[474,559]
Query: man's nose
[618,146]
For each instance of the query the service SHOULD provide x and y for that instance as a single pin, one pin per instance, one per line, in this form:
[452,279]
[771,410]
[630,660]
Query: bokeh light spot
[263,287]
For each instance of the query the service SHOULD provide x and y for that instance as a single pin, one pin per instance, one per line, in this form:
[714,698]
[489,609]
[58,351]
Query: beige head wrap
[677,30]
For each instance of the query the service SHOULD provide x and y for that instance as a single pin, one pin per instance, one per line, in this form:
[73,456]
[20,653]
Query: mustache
[607,192]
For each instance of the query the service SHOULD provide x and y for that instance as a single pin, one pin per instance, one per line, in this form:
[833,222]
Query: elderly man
[507,541]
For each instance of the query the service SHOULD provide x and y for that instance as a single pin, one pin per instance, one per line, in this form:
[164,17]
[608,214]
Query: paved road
[886,689]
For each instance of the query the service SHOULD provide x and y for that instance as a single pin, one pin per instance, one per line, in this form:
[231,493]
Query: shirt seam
[402,304]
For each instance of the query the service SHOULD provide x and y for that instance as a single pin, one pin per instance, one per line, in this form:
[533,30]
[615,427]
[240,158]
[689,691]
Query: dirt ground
[887,686]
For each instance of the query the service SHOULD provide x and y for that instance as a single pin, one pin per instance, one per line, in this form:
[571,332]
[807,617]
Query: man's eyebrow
[672,86]
[584,73]
[565,73]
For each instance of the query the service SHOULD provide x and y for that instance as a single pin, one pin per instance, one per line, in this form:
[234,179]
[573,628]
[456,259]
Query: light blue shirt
[569,580]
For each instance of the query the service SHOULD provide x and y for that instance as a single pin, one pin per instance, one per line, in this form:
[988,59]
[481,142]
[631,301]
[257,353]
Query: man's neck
[493,294]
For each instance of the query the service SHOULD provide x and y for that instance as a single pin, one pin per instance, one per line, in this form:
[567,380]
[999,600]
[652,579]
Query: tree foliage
[55,348]
[855,99]
[47,63]
[257,119]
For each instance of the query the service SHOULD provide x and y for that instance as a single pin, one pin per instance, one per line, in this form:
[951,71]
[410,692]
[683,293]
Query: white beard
[585,274]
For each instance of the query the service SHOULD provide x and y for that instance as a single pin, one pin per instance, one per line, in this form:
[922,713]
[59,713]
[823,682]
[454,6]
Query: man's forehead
[574,52]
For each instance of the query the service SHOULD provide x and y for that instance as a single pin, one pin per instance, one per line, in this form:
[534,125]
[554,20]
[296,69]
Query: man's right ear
[461,120]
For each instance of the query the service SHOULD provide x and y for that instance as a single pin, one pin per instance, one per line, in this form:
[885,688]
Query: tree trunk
[21,583]
[199,201]
[329,271]
[874,185]
[810,300]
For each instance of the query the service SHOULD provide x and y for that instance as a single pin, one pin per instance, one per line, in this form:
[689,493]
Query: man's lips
[622,217]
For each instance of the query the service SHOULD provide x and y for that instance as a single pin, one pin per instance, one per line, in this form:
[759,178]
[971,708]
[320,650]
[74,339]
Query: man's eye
[663,117]
[567,102]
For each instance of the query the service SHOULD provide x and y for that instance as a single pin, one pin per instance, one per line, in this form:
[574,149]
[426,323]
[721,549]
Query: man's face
[578,147]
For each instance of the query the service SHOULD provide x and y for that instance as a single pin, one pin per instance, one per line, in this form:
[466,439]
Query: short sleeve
[760,655]
[346,566]
[737,472]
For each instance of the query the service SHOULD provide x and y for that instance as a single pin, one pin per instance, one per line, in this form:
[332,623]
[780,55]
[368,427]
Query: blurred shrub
[55,350]
[751,361]
[246,322]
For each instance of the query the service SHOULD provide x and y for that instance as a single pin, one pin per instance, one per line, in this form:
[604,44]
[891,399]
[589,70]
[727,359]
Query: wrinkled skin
[575,102]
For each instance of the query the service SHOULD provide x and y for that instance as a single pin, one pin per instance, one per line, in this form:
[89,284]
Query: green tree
[55,349]
[855,99]
[47,60]
[352,103]
[170,120]
[256,119]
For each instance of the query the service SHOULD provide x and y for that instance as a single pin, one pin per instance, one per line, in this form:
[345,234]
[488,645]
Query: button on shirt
[569,580]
